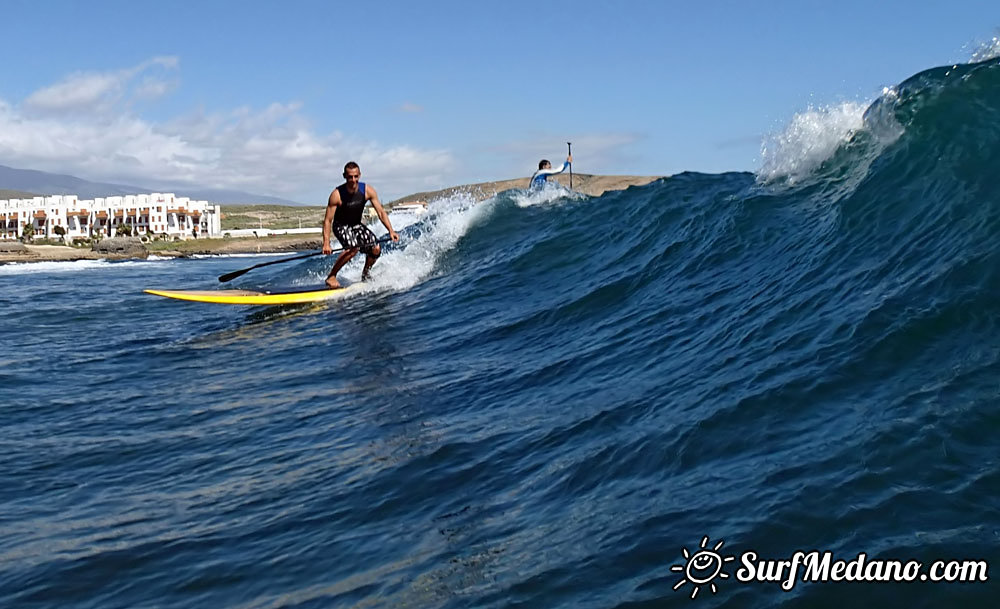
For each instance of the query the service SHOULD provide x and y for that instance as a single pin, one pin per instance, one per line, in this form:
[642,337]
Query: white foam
[245,255]
[402,220]
[809,139]
[68,266]
[550,192]
[986,51]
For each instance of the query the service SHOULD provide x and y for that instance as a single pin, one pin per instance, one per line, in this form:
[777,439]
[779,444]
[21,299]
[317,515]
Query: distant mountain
[226,197]
[30,180]
[55,184]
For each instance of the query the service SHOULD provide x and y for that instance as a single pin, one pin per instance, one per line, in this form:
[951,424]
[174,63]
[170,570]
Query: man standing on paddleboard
[344,211]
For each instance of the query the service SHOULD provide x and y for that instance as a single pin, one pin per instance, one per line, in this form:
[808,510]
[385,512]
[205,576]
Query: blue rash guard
[542,175]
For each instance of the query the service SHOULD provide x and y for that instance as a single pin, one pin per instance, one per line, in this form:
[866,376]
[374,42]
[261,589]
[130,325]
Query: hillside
[16,194]
[289,216]
[31,180]
[271,216]
[593,185]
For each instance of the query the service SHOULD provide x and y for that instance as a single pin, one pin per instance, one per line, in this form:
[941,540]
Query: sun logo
[702,567]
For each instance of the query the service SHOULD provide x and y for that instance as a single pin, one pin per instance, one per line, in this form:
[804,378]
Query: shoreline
[182,249]
[593,185]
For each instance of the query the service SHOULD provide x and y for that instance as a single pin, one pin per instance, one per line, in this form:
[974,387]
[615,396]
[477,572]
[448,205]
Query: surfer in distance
[344,212]
[545,170]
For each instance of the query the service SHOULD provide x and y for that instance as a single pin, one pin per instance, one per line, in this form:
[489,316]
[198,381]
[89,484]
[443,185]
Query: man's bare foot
[332,283]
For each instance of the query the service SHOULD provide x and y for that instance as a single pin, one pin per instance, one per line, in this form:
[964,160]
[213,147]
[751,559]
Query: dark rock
[12,247]
[121,247]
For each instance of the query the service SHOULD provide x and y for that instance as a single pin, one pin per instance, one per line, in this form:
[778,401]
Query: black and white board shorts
[355,236]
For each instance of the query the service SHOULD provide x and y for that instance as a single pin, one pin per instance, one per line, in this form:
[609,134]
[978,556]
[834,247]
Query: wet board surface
[250,297]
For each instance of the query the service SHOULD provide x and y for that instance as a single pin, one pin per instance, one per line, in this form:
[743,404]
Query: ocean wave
[551,192]
[423,242]
[72,266]
[986,51]
[245,255]
[810,138]
[538,394]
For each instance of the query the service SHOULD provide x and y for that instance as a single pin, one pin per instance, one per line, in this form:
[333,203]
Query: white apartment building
[148,215]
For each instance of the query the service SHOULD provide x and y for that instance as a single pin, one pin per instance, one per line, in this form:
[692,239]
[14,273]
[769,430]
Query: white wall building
[148,215]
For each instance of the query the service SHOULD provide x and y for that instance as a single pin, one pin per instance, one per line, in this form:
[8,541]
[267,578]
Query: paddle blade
[233,275]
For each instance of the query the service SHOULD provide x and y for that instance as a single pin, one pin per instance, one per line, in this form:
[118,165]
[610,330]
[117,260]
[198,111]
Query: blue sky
[275,97]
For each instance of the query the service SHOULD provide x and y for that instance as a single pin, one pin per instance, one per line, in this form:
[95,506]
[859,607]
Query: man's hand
[327,250]
[394,235]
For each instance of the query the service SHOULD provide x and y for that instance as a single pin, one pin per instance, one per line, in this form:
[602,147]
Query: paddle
[235,274]
[569,145]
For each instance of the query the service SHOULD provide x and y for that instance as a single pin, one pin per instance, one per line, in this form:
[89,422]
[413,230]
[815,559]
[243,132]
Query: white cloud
[86,125]
[89,125]
[410,108]
[88,92]
[79,91]
[153,88]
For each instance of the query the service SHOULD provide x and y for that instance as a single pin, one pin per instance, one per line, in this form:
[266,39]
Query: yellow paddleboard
[249,297]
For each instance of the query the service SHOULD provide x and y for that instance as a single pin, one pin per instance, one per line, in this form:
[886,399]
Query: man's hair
[543,163]
[351,165]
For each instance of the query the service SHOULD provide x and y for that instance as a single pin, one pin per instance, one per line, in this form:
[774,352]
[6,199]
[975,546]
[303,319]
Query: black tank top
[351,207]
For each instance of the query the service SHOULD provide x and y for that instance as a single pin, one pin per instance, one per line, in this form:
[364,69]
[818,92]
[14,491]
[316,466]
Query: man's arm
[372,196]
[331,209]
[565,165]
[551,172]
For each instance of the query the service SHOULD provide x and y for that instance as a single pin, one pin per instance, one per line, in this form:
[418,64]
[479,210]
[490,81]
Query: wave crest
[810,138]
